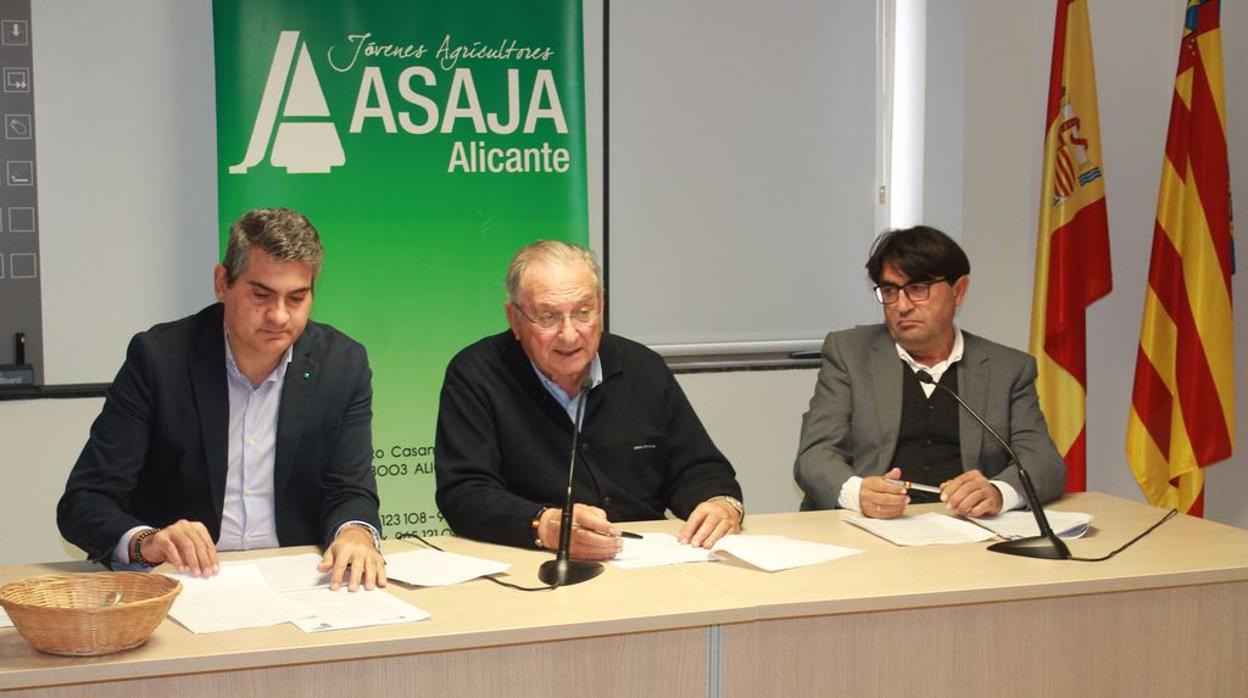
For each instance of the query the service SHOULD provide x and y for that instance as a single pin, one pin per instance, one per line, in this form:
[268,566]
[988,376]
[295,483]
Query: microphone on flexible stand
[1047,545]
[561,571]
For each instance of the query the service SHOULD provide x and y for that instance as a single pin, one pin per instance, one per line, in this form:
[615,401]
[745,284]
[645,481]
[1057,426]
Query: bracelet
[136,547]
[536,524]
[732,502]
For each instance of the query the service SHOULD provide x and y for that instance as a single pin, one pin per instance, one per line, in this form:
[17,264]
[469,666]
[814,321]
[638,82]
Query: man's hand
[709,522]
[593,536]
[353,547]
[186,545]
[971,494]
[880,499]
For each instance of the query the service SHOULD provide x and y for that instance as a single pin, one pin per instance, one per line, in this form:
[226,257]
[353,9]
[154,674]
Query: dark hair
[921,253]
[282,234]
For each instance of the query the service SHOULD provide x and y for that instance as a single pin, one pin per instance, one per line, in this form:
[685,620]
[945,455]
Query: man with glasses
[873,426]
[507,412]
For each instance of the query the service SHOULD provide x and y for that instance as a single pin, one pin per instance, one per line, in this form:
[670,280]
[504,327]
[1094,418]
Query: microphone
[1047,545]
[561,571]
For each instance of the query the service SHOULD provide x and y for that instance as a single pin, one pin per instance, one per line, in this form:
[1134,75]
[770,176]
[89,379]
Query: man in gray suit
[873,426]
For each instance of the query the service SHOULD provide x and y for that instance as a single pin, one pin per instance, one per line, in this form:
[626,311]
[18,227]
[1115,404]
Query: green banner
[427,141]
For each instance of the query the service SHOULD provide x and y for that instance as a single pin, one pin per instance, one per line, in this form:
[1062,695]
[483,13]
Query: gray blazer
[852,425]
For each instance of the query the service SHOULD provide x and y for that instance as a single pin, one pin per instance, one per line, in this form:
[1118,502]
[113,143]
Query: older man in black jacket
[506,419]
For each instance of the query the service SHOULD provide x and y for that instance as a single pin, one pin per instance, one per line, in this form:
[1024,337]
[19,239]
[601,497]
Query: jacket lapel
[886,381]
[298,390]
[973,379]
[212,403]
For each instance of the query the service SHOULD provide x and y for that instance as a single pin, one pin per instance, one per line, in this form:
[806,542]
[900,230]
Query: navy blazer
[157,452]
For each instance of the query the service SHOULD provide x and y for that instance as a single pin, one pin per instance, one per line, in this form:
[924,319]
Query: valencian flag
[1182,407]
[1072,249]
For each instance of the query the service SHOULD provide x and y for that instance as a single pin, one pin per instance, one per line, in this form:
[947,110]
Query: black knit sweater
[503,442]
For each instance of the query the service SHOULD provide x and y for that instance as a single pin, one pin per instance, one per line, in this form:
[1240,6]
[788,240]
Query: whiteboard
[742,191]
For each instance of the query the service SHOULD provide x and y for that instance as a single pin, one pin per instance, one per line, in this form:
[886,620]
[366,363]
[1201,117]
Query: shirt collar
[595,379]
[937,370]
[232,369]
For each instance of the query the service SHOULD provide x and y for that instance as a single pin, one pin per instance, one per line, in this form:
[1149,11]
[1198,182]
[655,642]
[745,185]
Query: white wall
[125,107]
[41,439]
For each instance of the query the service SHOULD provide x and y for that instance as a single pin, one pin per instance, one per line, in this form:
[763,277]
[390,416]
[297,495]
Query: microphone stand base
[1045,547]
[561,573]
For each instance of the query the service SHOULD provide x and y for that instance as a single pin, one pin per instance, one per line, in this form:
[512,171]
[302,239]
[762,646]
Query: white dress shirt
[850,491]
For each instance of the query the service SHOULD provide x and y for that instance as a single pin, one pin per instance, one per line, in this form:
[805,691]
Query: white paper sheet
[237,597]
[658,549]
[5,621]
[288,572]
[1022,524]
[338,610]
[433,568]
[925,529]
[775,553]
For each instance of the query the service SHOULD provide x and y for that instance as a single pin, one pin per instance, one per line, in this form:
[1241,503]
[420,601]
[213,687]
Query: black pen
[623,534]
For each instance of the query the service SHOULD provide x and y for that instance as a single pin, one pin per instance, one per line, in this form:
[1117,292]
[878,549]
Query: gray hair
[549,251]
[282,234]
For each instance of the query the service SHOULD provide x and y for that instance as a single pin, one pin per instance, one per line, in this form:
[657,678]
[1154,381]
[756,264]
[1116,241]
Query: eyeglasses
[915,290]
[581,317]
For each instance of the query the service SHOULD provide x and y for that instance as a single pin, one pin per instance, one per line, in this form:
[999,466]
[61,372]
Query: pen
[914,486]
[623,534]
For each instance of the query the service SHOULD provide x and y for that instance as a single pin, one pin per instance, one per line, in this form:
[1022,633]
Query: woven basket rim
[172,587]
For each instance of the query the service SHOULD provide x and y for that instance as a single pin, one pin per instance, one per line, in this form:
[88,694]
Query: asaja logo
[306,140]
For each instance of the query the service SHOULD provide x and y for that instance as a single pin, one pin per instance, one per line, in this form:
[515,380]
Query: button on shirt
[248,519]
[848,498]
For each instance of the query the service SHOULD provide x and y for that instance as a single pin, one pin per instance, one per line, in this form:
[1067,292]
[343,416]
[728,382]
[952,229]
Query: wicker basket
[89,614]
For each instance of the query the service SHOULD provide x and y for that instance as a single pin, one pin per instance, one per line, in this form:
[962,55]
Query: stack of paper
[434,568]
[656,549]
[282,589]
[236,597]
[770,553]
[774,553]
[925,529]
[1022,524]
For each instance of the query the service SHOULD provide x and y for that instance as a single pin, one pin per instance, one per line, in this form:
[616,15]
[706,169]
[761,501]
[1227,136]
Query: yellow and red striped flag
[1072,249]
[1182,406]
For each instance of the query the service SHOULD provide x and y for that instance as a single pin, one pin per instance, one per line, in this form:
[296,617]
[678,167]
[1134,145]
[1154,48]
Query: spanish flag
[1072,248]
[1182,407]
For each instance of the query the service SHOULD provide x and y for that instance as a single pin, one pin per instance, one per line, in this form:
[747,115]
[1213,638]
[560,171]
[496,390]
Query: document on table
[1022,524]
[658,549]
[433,568]
[236,597]
[288,572]
[775,553]
[338,610]
[925,529]
[284,588]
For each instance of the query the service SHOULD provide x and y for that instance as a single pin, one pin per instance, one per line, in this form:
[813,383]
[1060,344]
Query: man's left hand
[353,547]
[971,494]
[709,522]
